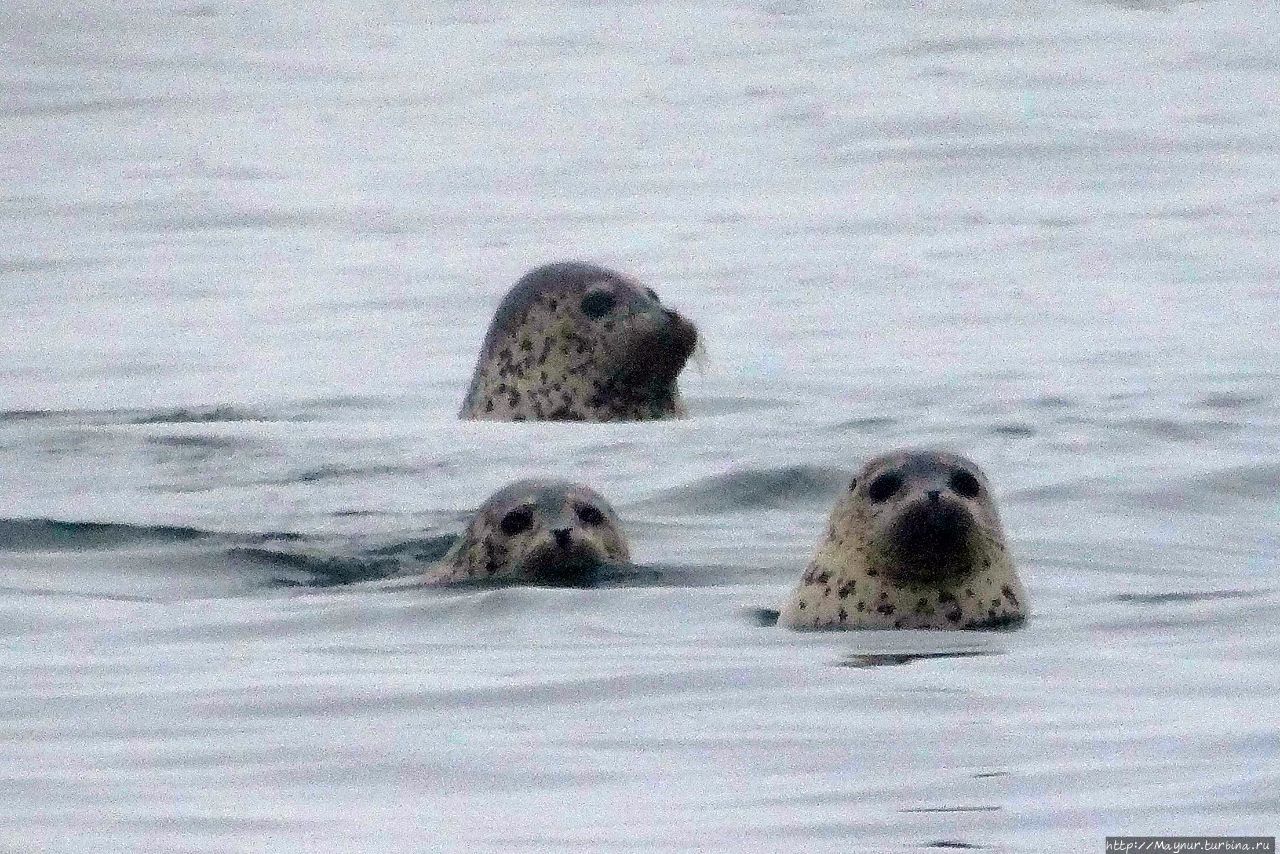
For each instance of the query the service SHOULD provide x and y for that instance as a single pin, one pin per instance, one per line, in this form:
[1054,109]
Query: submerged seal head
[544,532]
[579,342]
[915,542]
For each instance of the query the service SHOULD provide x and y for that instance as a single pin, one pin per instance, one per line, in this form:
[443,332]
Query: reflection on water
[894,659]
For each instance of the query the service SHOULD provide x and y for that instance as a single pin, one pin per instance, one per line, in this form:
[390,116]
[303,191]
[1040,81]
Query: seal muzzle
[565,561]
[660,355]
[931,542]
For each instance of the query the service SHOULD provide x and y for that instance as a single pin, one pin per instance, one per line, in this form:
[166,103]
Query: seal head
[536,531]
[579,342]
[915,542]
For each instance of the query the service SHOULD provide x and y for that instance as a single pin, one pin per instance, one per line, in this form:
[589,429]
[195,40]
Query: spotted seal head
[578,342]
[914,543]
[537,531]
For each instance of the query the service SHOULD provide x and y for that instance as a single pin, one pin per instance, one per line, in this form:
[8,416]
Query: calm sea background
[249,253]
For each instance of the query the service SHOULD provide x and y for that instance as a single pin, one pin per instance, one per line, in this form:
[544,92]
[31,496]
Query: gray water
[250,250]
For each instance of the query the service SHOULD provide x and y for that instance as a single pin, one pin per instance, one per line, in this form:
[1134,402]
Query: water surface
[251,250]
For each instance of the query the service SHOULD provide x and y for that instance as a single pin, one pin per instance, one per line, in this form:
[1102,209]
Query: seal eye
[883,487]
[598,303]
[853,484]
[590,515]
[516,521]
[965,484]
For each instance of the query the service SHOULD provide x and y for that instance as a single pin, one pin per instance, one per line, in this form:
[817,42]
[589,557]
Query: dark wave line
[205,415]
[308,570]
[53,534]
[759,489]
[44,534]
[315,565]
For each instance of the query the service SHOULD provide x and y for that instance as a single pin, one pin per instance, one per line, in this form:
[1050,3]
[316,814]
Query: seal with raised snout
[578,342]
[539,531]
[914,543]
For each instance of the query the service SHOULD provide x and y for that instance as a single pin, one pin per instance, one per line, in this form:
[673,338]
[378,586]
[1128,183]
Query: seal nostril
[563,537]
[934,495]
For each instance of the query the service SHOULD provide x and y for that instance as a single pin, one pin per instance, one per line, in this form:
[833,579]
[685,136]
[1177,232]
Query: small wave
[1231,401]
[1208,493]
[421,550]
[197,443]
[1186,596]
[1018,431]
[360,402]
[25,415]
[867,424]
[953,844]
[761,489]
[204,415]
[895,659]
[1254,481]
[1176,430]
[293,569]
[308,410]
[303,564]
[1051,401]
[51,534]
[764,617]
[702,575]
[339,472]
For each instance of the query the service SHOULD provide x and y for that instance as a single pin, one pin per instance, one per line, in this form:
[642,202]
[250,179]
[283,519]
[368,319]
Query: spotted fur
[536,553]
[863,576]
[547,357]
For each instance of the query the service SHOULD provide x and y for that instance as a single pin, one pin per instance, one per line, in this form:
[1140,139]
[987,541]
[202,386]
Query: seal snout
[930,541]
[670,345]
[934,526]
[684,335]
[564,554]
[565,560]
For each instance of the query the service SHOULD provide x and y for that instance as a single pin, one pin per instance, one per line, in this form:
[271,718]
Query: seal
[914,543]
[538,531]
[579,342]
